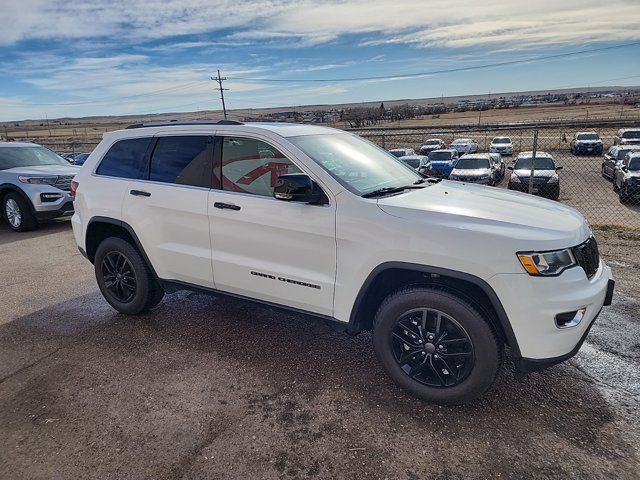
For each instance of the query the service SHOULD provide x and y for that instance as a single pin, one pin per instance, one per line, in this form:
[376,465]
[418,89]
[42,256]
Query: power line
[219,81]
[437,72]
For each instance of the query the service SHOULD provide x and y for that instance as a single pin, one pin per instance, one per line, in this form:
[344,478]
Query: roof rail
[176,122]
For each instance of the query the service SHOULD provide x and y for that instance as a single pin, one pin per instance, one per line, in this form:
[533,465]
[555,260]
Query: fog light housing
[570,319]
[50,197]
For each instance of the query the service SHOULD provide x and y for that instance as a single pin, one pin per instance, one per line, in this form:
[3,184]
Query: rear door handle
[229,206]
[140,193]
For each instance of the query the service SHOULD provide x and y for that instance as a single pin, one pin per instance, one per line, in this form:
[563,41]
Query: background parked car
[546,182]
[440,163]
[80,158]
[614,157]
[475,168]
[464,145]
[499,164]
[586,143]
[501,145]
[627,136]
[431,144]
[408,156]
[626,180]
[35,185]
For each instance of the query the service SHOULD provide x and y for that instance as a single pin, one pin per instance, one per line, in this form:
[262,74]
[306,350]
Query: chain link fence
[586,180]
[582,184]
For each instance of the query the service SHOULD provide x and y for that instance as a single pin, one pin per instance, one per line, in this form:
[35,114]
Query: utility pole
[219,81]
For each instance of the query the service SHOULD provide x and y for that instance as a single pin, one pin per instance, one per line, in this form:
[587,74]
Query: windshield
[412,162]
[398,153]
[501,140]
[634,164]
[588,136]
[359,165]
[631,134]
[440,156]
[432,142]
[11,157]
[472,163]
[623,151]
[542,163]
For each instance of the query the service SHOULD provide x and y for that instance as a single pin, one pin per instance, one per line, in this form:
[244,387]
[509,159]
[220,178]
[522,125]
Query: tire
[604,175]
[139,292]
[16,211]
[623,195]
[437,379]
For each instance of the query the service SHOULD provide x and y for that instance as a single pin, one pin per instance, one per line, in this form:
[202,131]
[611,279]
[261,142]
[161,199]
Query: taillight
[73,188]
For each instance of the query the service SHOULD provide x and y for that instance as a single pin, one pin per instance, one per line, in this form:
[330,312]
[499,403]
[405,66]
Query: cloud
[450,23]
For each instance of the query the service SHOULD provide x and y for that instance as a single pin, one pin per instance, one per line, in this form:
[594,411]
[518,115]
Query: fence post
[533,160]
[384,144]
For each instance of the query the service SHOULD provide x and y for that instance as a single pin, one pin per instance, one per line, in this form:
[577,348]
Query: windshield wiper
[389,190]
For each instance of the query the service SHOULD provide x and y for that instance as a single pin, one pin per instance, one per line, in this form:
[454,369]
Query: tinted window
[412,162]
[472,163]
[442,156]
[182,160]
[542,163]
[252,166]
[634,164]
[126,159]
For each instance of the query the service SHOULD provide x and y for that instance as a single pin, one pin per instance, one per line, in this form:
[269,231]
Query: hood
[634,174]
[498,145]
[537,223]
[45,170]
[471,172]
[536,173]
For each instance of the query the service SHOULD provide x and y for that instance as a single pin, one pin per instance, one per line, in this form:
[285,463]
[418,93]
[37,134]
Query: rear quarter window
[126,159]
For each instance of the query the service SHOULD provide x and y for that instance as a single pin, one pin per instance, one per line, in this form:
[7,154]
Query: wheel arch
[390,276]
[6,188]
[99,228]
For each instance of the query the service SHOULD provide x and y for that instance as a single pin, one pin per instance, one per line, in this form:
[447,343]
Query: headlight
[515,179]
[547,263]
[39,180]
[553,179]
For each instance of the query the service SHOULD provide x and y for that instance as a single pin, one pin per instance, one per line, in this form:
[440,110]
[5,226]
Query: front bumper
[588,149]
[550,190]
[60,202]
[532,304]
[64,210]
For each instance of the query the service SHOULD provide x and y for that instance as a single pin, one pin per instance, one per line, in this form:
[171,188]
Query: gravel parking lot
[206,387]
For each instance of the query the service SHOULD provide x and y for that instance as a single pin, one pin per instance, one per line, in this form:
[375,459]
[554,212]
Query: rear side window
[126,159]
[183,160]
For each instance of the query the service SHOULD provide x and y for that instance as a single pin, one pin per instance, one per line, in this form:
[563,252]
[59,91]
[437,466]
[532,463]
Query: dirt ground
[206,387]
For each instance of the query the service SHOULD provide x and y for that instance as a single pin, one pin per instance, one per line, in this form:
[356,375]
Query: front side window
[12,157]
[355,163]
[252,166]
[182,160]
[126,159]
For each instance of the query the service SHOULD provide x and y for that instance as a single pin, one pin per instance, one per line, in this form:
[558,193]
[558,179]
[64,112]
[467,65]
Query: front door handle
[229,206]
[140,193]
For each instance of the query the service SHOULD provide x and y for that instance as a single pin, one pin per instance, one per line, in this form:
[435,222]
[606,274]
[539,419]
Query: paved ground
[205,387]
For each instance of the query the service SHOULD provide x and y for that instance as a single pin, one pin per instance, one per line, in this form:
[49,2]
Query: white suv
[323,222]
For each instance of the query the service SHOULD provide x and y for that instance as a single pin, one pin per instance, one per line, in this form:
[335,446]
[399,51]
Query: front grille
[64,182]
[587,256]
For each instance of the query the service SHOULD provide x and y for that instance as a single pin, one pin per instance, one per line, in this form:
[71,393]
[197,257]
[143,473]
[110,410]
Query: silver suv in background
[35,185]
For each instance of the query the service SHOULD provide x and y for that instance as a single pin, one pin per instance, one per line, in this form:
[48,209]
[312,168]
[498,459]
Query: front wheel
[436,345]
[124,278]
[17,213]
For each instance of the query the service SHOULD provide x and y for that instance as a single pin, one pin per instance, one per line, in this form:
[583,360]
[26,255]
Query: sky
[80,58]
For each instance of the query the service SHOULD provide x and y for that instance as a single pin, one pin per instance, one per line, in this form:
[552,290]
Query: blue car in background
[80,158]
[440,163]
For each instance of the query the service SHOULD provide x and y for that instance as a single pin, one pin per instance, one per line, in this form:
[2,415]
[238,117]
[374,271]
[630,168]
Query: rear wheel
[124,278]
[436,345]
[17,212]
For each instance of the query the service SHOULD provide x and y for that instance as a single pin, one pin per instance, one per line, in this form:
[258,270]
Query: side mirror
[510,167]
[297,187]
[559,168]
